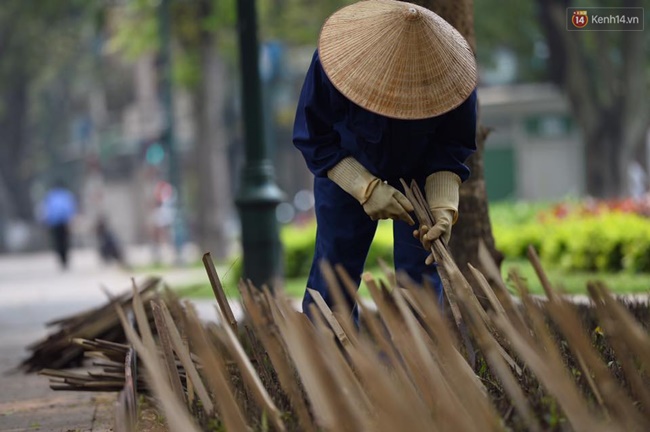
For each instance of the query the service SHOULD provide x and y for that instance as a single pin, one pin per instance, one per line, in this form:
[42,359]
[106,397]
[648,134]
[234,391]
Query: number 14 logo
[580,18]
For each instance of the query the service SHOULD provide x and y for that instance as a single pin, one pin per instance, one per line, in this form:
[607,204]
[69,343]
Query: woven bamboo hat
[397,59]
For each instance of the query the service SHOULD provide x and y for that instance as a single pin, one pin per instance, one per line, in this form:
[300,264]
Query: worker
[390,93]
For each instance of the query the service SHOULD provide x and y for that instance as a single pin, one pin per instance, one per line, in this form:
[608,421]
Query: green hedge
[609,242]
[299,243]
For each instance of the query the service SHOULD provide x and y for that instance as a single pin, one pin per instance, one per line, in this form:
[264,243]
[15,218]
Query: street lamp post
[259,195]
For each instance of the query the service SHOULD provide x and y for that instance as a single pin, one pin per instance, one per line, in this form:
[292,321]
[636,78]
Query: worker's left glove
[442,194]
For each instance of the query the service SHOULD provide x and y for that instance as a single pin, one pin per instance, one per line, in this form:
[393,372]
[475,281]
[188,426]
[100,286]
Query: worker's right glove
[379,200]
[442,193]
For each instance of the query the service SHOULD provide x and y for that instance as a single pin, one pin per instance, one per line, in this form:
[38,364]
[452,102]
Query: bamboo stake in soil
[217,287]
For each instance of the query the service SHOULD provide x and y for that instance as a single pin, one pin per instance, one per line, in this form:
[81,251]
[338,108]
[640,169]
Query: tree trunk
[14,145]
[214,207]
[604,159]
[473,226]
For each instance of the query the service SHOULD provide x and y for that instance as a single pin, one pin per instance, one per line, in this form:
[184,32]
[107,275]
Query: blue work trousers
[344,234]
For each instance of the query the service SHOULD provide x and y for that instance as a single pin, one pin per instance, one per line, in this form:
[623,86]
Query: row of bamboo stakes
[409,366]
[56,350]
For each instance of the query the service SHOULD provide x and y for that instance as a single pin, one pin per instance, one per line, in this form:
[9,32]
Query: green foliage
[296,21]
[511,25]
[515,213]
[299,244]
[513,240]
[136,29]
[45,51]
[610,243]
[606,243]
[136,33]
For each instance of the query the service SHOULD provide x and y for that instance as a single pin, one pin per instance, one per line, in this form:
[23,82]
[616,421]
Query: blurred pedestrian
[57,211]
[390,94]
[110,249]
[637,181]
[161,218]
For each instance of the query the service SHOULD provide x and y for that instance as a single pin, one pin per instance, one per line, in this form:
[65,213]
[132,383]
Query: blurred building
[534,151]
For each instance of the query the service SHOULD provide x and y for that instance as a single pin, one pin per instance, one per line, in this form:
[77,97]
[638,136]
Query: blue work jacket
[329,127]
[58,207]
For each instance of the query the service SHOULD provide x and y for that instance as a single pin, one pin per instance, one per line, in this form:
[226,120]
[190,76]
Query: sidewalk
[33,290]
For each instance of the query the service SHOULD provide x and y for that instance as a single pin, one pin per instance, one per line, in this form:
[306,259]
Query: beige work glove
[379,200]
[442,193]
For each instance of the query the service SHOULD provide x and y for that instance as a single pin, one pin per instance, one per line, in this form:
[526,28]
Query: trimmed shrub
[606,242]
[298,245]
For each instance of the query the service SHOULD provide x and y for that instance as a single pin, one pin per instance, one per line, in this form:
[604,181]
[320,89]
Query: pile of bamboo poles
[516,363]
[59,351]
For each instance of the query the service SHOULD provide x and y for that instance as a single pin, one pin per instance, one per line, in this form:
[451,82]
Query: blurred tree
[203,35]
[207,43]
[511,26]
[204,58]
[39,45]
[605,76]
[296,21]
[473,226]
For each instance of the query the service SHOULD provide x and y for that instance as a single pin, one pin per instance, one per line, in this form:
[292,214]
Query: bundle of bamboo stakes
[517,364]
[58,350]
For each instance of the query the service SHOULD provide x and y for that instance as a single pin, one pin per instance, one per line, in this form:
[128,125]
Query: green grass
[294,287]
[571,282]
[576,282]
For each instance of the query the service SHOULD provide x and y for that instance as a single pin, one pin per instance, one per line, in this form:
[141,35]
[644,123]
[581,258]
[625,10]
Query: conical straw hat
[397,59]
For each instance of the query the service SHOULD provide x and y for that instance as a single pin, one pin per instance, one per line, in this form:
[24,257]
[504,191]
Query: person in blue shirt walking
[390,93]
[58,208]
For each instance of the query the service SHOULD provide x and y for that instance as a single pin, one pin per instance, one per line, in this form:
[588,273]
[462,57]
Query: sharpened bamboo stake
[499,310]
[167,350]
[493,355]
[252,379]
[217,377]
[620,341]
[329,317]
[613,396]
[268,334]
[142,319]
[351,393]
[217,287]
[184,356]
[176,416]
[311,366]
[554,378]
[446,344]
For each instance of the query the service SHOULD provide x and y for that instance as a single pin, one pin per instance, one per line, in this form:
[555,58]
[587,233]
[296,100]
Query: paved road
[33,290]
